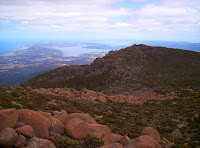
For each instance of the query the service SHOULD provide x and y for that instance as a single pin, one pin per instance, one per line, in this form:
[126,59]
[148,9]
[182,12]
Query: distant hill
[132,68]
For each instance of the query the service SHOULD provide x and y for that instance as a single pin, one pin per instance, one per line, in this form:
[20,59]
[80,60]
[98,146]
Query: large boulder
[55,112]
[92,98]
[177,134]
[102,94]
[147,142]
[56,126]
[20,142]
[132,100]
[8,136]
[8,118]
[28,88]
[49,91]
[52,103]
[116,137]
[54,135]
[91,94]
[56,90]
[166,143]
[152,133]
[108,137]
[102,99]
[118,98]
[17,105]
[85,90]
[47,115]
[26,130]
[66,92]
[82,95]
[41,90]
[75,92]
[125,140]
[36,142]
[77,128]
[61,116]
[19,124]
[37,121]
[85,117]
[97,135]
[114,145]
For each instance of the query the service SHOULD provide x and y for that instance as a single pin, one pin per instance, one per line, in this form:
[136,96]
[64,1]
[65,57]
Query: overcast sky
[168,20]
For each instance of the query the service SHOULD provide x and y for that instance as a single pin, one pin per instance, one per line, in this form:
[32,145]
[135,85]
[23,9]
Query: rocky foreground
[165,116]
[38,129]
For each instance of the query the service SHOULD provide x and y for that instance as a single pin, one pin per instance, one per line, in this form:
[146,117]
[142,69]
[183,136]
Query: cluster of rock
[32,129]
[72,93]
[137,98]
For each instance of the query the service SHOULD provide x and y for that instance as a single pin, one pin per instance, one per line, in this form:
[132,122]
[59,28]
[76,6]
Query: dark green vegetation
[67,142]
[133,68]
[124,118]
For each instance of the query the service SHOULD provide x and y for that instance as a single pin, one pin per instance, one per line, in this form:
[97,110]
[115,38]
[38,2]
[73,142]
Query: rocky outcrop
[72,93]
[136,97]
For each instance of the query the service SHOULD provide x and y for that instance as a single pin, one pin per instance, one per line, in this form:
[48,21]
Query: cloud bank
[150,17]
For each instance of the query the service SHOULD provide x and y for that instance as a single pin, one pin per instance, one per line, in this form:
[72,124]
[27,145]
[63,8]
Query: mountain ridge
[132,68]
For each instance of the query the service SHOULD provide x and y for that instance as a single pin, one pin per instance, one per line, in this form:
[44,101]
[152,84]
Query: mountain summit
[132,68]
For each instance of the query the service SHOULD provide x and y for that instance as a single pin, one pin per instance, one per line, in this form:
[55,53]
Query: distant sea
[11,46]
[83,48]
[76,49]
